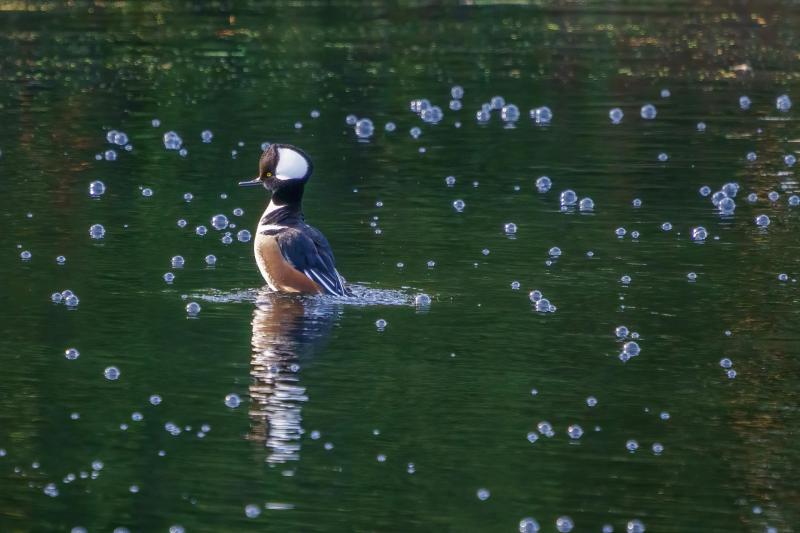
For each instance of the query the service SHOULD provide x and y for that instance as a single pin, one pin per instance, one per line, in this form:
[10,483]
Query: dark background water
[448,388]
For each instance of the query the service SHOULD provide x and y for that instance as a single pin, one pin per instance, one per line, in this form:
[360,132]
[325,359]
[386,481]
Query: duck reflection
[287,331]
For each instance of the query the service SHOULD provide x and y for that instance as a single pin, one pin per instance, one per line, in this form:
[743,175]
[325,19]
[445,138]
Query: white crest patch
[291,165]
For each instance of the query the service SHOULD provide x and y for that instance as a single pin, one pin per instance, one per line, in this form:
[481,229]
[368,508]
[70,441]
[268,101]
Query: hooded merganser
[291,255]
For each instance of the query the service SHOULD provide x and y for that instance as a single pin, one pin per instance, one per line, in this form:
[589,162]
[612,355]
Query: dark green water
[447,388]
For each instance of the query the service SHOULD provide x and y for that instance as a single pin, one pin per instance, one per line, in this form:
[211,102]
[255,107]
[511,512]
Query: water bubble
[71,354]
[219,222]
[773,196]
[621,332]
[483,494]
[183,152]
[515,285]
[637,203]
[415,132]
[431,263]
[783,103]
[545,428]
[542,115]
[211,260]
[532,437]
[455,105]
[575,432]
[25,255]
[783,277]
[543,306]
[663,157]
[666,226]
[691,276]
[717,197]
[390,127]
[726,206]
[528,525]
[71,300]
[457,92]
[172,141]
[252,510]
[564,524]
[510,228]
[794,200]
[620,232]
[535,295]
[182,223]
[744,102]
[422,300]
[206,136]
[188,196]
[177,261]
[364,128]
[111,373]
[243,235]
[110,155]
[648,112]
[543,184]
[497,102]
[586,204]
[789,160]
[351,120]
[432,115]
[751,156]
[625,280]
[450,181]
[147,192]
[97,231]
[568,198]
[482,116]
[632,445]
[631,348]
[699,234]
[201,230]
[51,490]
[591,401]
[96,189]
[635,526]
[193,308]
[381,324]
[509,113]
[232,400]
[762,221]
[155,399]
[169,277]
[664,415]
[701,127]
[459,205]
[705,190]
[657,448]
[730,189]
[616,115]
[555,251]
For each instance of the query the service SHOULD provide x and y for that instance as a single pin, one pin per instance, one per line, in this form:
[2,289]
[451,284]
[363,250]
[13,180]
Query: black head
[284,170]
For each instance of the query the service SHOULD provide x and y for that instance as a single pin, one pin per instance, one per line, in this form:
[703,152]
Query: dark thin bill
[251,183]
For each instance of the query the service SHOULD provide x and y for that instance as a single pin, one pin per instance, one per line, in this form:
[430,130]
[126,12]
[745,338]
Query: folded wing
[309,252]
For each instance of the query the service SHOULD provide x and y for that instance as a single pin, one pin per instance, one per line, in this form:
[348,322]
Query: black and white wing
[309,252]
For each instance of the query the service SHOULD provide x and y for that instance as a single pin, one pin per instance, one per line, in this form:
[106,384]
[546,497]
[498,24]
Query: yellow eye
[269,174]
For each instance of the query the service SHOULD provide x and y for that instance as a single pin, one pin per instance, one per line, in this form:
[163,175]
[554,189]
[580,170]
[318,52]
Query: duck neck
[277,213]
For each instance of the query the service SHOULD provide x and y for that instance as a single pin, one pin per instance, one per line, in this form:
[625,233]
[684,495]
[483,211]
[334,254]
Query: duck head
[284,170]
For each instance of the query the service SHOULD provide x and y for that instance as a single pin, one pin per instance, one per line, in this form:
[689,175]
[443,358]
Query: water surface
[341,426]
